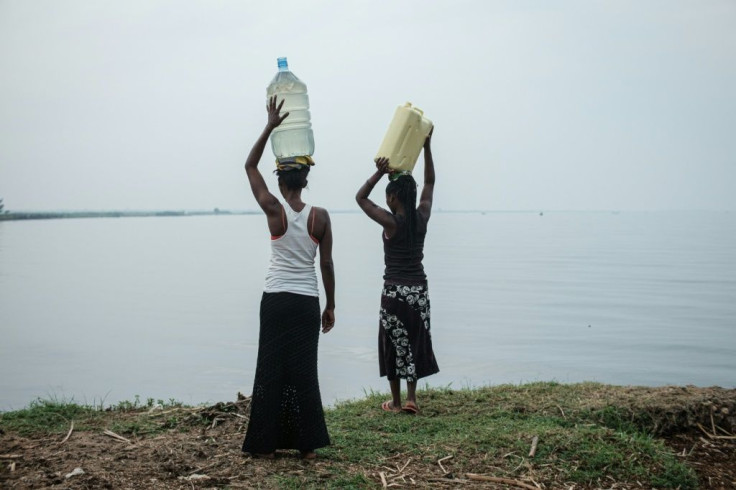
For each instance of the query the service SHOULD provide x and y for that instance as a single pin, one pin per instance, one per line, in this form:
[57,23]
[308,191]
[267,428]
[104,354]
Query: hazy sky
[541,105]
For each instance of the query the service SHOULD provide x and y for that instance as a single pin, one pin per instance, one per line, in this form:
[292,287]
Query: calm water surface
[101,310]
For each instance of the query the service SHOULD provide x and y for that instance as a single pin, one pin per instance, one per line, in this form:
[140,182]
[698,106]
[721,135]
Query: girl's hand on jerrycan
[382,165]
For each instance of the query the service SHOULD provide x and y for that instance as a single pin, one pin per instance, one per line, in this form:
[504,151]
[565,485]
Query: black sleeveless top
[404,261]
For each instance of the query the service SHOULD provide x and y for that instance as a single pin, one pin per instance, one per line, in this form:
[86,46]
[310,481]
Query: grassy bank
[588,436]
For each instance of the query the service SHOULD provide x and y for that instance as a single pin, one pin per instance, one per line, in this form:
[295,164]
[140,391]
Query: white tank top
[292,257]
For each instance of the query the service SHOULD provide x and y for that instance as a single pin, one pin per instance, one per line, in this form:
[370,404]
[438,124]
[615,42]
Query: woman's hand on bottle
[382,165]
[274,117]
[328,320]
[428,139]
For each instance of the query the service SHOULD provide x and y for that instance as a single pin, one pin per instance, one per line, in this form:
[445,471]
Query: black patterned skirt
[404,338]
[286,408]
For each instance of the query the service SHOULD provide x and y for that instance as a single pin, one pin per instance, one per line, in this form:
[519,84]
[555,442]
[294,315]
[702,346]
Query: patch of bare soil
[714,460]
[203,451]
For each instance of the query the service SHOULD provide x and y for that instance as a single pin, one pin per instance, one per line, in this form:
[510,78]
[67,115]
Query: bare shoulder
[321,214]
[320,222]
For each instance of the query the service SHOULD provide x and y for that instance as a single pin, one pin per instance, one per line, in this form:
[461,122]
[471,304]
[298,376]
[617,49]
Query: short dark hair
[293,179]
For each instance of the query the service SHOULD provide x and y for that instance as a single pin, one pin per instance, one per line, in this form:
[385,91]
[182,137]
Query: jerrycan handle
[409,106]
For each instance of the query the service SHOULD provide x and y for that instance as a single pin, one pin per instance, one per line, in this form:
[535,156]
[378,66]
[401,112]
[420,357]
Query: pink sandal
[411,408]
[387,406]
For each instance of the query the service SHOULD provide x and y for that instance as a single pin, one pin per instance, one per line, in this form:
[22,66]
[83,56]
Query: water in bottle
[294,136]
[404,138]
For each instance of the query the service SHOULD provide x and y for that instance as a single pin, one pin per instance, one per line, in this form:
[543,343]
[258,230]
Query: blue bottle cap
[283,65]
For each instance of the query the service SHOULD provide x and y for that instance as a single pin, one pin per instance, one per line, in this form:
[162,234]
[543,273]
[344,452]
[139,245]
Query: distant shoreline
[38,215]
[13,216]
[45,215]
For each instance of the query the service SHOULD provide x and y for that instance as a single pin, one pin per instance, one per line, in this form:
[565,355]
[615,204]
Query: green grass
[337,479]
[54,416]
[50,416]
[495,426]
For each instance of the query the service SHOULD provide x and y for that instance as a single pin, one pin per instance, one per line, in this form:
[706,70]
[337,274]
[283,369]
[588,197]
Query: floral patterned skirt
[404,338]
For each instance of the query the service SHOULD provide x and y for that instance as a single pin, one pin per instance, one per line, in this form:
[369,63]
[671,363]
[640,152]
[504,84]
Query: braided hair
[293,179]
[405,190]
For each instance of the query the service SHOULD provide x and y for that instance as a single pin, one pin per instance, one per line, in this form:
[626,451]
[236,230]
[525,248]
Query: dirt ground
[208,456]
[713,460]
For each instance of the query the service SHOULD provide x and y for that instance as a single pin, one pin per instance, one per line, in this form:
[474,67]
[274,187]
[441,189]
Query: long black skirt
[286,407]
[404,337]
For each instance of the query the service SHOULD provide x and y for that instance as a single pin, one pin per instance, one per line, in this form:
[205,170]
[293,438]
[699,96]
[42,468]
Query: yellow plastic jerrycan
[405,138]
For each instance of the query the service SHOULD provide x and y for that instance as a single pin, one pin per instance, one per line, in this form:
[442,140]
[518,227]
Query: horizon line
[217,210]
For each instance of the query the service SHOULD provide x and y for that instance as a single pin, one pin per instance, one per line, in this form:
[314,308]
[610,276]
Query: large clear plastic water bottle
[294,136]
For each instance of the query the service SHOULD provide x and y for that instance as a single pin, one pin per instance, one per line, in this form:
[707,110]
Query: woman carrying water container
[404,339]
[286,407]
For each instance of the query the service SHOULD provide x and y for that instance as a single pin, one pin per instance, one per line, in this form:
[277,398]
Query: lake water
[101,310]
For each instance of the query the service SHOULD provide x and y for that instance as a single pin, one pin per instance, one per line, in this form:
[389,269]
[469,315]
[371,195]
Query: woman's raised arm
[371,209]
[267,201]
[425,201]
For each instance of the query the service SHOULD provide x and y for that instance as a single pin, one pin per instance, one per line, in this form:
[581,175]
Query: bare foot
[309,455]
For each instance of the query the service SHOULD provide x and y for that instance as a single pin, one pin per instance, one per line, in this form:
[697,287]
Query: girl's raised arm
[373,210]
[425,201]
[267,201]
